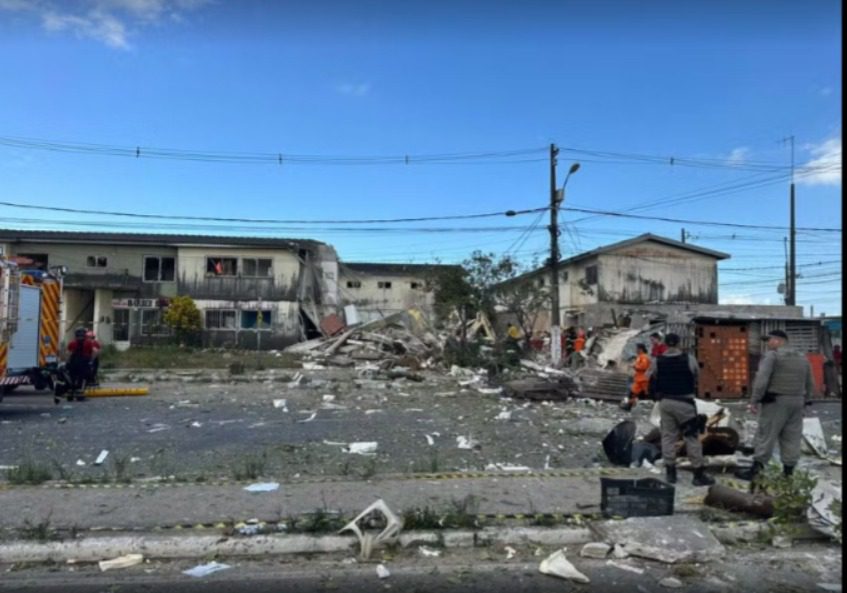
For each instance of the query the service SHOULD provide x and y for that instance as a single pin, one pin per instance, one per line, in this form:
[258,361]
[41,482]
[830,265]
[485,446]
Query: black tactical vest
[673,376]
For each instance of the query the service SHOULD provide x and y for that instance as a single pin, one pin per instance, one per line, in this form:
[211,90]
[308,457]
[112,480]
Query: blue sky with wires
[375,110]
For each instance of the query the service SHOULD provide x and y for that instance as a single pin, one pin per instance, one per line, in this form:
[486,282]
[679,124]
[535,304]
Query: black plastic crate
[647,497]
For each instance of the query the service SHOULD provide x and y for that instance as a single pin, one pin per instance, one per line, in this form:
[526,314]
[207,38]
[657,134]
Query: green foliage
[461,515]
[792,496]
[250,468]
[29,472]
[183,317]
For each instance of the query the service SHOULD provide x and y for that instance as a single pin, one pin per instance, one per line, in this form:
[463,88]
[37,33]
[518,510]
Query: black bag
[618,443]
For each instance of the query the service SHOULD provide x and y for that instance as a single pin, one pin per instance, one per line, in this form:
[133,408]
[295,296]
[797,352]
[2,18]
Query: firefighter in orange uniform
[641,381]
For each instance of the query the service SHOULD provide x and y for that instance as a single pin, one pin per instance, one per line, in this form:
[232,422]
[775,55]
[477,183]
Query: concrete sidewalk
[145,507]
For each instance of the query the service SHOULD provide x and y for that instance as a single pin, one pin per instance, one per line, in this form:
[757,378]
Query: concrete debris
[80,462]
[382,572]
[376,514]
[467,442]
[781,541]
[429,440]
[557,565]
[362,448]
[510,552]
[102,457]
[309,419]
[833,587]
[820,513]
[262,487]
[671,583]
[619,552]
[429,552]
[504,414]
[595,550]
[623,566]
[669,538]
[559,389]
[506,467]
[121,562]
[814,438]
[203,570]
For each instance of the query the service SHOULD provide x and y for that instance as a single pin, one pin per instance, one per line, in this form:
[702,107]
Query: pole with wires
[555,329]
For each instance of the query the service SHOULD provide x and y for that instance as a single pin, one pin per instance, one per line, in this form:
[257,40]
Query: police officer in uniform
[783,387]
[673,383]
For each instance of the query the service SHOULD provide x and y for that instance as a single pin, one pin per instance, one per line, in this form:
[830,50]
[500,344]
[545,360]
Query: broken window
[256,268]
[220,319]
[151,323]
[563,275]
[120,326]
[250,320]
[38,261]
[96,261]
[591,274]
[383,285]
[221,266]
[159,269]
[354,284]
[416,285]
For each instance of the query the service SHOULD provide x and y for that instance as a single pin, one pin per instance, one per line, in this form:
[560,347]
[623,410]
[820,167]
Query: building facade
[250,291]
[378,290]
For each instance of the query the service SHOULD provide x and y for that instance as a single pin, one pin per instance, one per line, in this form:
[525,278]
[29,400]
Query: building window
[542,282]
[250,320]
[383,285]
[591,274]
[221,266]
[354,284]
[151,323]
[159,269]
[39,261]
[256,268]
[220,319]
[563,275]
[120,327]
[99,261]
[416,285]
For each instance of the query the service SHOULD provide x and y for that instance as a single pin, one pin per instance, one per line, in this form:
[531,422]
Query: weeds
[461,515]
[40,531]
[250,468]
[120,465]
[791,495]
[320,521]
[29,472]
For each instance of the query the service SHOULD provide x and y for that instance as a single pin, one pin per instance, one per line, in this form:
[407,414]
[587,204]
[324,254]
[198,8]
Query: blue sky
[716,82]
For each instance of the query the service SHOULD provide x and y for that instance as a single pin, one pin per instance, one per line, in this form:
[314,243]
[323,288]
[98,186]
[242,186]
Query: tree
[525,298]
[183,317]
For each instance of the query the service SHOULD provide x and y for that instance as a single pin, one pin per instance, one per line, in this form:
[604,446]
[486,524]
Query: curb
[92,549]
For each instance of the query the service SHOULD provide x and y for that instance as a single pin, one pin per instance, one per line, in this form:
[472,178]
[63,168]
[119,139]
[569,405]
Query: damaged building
[381,289]
[248,290]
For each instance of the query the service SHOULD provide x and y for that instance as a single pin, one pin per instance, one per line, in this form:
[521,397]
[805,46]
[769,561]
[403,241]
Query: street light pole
[556,199]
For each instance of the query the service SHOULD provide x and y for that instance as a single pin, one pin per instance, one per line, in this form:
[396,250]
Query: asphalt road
[204,431]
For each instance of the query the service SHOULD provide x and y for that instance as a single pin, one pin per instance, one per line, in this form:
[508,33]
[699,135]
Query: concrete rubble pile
[400,341]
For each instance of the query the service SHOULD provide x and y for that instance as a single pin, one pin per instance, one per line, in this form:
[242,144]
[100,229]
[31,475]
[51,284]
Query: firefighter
[641,381]
[95,362]
[783,387]
[673,383]
[82,353]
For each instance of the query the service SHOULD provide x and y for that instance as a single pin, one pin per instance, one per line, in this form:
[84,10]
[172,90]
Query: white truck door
[23,347]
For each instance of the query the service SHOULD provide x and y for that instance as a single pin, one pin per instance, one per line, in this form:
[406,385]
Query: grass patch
[320,521]
[462,514]
[29,472]
[167,356]
[250,467]
[40,531]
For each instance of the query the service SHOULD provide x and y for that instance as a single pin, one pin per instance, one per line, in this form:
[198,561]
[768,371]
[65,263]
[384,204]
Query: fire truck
[30,310]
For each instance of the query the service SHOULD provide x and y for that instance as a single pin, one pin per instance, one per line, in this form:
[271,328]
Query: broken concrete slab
[595,550]
[557,565]
[669,539]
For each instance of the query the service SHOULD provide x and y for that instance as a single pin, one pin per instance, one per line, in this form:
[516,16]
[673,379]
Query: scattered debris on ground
[557,565]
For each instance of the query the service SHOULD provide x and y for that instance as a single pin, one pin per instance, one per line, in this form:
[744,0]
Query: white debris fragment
[504,414]
[557,565]
[463,442]
[309,419]
[619,552]
[671,583]
[623,566]
[102,457]
[510,552]
[158,428]
[196,424]
[382,572]
[121,562]
[547,462]
[80,462]
[362,448]
[506,467]
[834,587]
[281,404]
[312,366]
[203,570]
[781,541]
[489,390]
[262,487]
[429,440]
[328,397]
[429,552]
[814,437]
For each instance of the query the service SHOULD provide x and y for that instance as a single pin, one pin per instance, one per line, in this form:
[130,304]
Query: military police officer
[673,384]
[782,388]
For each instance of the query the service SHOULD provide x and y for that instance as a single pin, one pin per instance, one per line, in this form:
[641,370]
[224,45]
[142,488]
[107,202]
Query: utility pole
[682,234]
[792,257]
[785,246]
[555,329]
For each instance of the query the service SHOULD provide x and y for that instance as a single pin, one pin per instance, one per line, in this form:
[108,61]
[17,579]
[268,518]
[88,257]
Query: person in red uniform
[657,346]
[82,353]
[95,361]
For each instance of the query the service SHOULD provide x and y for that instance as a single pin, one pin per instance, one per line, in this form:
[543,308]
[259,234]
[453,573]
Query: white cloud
[825,166]
[359,89]
[745,299]
[109,21]
[738,155]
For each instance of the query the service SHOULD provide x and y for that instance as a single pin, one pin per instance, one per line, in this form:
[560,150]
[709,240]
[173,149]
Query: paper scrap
[102,457]
[203,570]
[262,487]
[121,562]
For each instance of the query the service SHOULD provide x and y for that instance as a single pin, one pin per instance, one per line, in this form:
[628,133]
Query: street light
[557,197]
